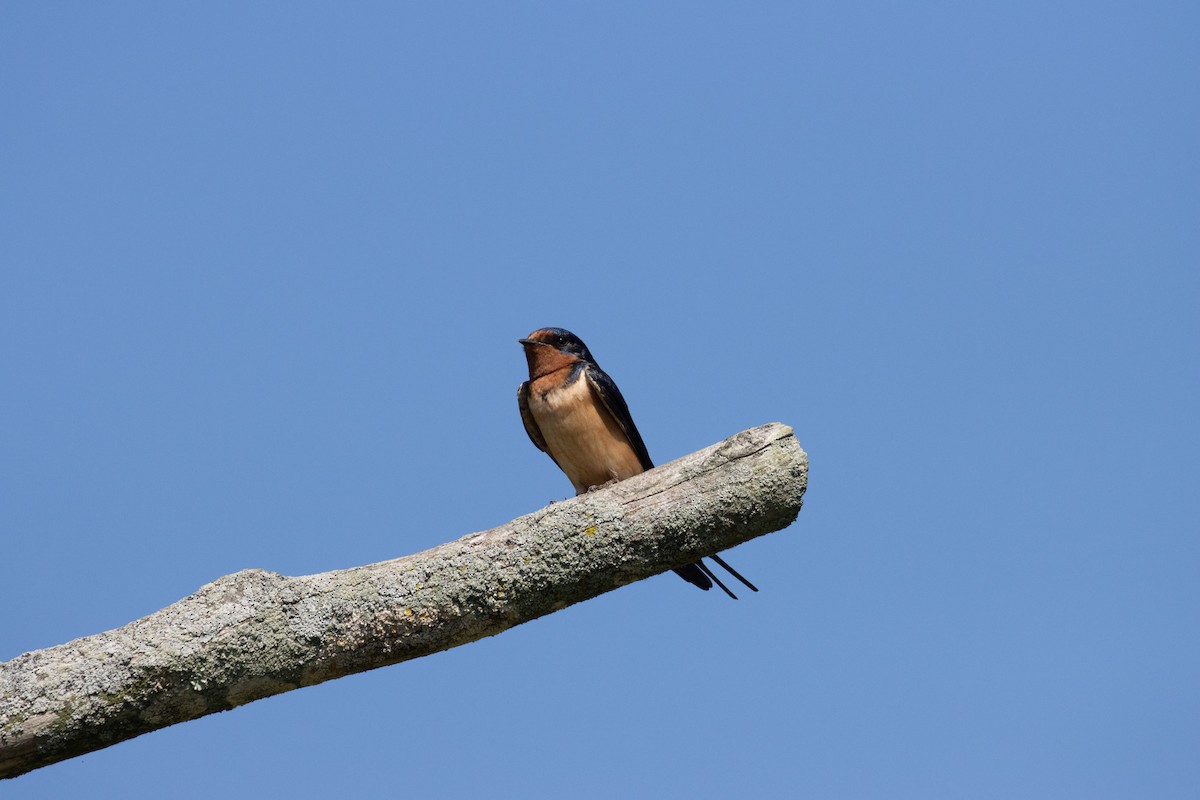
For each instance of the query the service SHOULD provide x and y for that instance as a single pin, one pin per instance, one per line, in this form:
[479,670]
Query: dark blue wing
[610,395]
[531,426]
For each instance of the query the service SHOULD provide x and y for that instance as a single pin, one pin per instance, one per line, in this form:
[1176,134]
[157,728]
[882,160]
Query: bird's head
[547,349]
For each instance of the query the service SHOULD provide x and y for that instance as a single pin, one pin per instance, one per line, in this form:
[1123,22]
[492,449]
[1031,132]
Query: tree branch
[254,633]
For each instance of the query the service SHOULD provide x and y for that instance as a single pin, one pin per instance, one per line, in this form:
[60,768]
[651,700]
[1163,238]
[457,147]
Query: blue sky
[264,269]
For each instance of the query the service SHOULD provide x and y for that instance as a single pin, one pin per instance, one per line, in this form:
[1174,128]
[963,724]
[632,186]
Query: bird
[574,413]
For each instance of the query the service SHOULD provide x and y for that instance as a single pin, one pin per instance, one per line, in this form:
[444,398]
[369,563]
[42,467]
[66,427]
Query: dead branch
[254,633]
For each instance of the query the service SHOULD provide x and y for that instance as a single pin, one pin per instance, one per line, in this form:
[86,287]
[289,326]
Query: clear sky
[264,267]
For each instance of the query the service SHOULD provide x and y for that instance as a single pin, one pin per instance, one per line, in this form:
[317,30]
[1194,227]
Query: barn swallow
[575,414]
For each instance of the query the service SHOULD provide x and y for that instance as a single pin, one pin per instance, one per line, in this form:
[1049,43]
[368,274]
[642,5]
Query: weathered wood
[254,633]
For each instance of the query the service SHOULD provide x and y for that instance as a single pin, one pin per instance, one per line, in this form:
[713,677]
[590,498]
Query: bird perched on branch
[575,414]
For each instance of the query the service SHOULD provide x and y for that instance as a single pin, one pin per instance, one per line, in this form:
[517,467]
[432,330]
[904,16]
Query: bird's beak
[527,342]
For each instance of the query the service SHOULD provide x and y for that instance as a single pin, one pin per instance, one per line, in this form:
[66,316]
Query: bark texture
[254,633]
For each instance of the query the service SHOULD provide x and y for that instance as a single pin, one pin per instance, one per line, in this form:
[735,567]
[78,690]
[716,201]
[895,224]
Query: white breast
[582,436]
